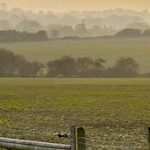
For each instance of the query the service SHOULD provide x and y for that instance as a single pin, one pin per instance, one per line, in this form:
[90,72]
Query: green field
[109,49]
[114,112]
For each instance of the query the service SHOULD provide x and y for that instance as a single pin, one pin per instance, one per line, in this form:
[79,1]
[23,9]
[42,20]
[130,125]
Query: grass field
[114,112]
[109,49]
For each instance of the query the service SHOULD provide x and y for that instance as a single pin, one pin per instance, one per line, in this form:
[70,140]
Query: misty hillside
[73,23]
[129,33]
[133,33]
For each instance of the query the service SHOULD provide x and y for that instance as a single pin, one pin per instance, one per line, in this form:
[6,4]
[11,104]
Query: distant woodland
[17,25]
[16,36]
[12,65]
[73,23]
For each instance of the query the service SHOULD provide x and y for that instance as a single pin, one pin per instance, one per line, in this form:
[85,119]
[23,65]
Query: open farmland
[114,112]
[109,49]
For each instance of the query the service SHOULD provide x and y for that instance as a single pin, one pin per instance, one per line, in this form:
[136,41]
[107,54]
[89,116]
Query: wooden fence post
[81,145]
[74,142]
[149,138]
[78,138]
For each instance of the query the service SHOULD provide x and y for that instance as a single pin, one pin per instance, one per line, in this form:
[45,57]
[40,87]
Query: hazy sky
[66,5]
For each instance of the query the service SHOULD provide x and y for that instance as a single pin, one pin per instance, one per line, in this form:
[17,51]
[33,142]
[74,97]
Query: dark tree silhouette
[66,66]
[80,67]
[12,65]
[125,67]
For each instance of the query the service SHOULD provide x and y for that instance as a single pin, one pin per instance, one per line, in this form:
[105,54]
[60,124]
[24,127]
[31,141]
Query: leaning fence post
[78,138]
[149,138]
[81,145]
[74,139]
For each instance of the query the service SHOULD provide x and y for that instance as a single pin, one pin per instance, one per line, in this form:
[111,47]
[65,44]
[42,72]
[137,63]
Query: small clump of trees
[124,67]
[13,65]
[17,36]
[81,67]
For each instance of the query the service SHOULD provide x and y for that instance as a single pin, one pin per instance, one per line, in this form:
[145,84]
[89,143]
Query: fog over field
[108,21]
[80,63]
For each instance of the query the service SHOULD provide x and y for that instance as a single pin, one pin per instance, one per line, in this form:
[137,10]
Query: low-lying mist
[73,23]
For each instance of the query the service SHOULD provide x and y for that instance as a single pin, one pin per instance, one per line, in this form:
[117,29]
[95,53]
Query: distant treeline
[15,36]
[12,65]
[88,67]
[18,36]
